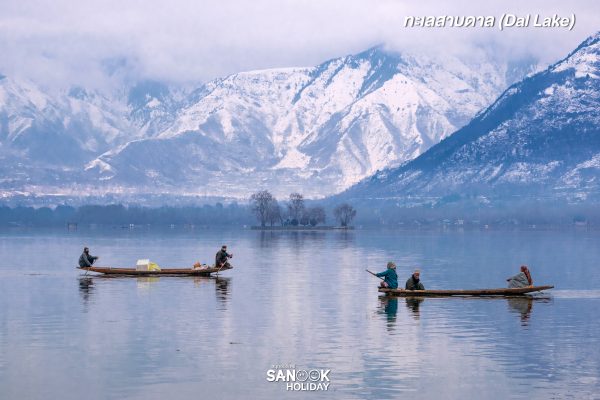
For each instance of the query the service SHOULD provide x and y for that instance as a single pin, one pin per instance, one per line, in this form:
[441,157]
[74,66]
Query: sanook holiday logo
[295,379]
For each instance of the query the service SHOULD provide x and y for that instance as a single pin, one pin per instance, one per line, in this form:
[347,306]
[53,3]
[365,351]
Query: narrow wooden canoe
[163,271]
[470,292]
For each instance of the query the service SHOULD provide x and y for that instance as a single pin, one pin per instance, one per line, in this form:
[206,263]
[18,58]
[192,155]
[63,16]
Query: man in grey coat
[86,259]
[414,282]
[222,257]
[522,279]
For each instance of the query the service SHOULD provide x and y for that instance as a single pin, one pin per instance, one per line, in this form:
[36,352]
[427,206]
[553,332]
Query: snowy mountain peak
[316,130]
[584,61]
[541,137]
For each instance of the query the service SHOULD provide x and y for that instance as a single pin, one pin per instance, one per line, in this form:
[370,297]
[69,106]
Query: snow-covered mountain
[316,130]
[46,138]
[540,138]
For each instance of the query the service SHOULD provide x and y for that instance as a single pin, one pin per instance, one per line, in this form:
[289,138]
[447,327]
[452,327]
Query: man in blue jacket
[390,278]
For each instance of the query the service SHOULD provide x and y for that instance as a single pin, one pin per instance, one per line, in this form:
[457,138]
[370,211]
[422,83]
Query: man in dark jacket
[222,257]
[414,282]
[86,259]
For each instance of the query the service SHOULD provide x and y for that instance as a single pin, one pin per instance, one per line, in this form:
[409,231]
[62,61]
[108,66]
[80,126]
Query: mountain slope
[316,130]
[46,139]
[540,138]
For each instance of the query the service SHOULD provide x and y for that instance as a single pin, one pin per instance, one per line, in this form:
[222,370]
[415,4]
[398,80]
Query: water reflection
[222,289]
[268,239]
[346,238]
[86,289]
[182,336]
[390,309]
[222,285]
[522,306]
[300,238]
[146,282]
[413,304]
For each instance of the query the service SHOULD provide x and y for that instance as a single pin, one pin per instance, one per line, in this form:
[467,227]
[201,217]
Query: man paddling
[390,278]
[414,282]
[86,259]
[222,257]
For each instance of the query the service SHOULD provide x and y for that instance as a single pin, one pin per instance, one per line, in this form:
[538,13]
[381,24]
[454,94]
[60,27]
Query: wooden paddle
[219,270]
[222,265]
[374,274]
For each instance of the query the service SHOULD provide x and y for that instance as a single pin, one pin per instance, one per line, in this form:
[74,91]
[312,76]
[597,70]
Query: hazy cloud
[84,42]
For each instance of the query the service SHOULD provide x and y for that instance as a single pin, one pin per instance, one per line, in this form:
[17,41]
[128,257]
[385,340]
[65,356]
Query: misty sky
[64,42]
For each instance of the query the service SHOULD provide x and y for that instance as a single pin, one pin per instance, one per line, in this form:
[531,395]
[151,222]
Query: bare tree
[344,213]
[316,215]
[261,203]
[274,212]
[296,207]
[305,218]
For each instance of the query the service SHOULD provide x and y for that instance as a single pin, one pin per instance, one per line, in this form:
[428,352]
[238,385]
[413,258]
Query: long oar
[219,270]
[374,274]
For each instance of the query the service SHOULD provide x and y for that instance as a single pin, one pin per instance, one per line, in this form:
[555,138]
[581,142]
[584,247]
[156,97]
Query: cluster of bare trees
[267,210]
[344,213]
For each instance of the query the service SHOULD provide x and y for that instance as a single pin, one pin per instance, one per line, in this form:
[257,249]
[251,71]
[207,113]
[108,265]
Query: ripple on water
[302,299]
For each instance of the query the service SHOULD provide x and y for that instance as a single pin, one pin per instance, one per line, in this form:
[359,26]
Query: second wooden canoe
[468,292]
[163,271]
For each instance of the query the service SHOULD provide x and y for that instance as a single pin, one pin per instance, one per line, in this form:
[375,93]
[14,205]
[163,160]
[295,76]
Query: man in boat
[521,280]
[222,257]
[390,278]
[414,282]
[86,259]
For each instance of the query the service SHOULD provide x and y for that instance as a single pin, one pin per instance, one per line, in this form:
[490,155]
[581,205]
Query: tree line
[262,205]
[117,214]
[268,211]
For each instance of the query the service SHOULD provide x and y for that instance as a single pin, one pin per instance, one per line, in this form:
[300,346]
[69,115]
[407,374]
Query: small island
[295,215]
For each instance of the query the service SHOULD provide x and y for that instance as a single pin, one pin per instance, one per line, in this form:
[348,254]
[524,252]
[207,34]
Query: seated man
[520,280]
[390,280]
[86,259]
[222,257]
[414,283]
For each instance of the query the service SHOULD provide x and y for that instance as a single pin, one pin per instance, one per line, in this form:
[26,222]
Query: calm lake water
[300,298]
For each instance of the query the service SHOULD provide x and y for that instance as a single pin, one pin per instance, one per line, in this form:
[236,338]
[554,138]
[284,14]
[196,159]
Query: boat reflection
[389,307]
[88,284]
[413,304]
[523,305]
[222,289]
[146,282]
[86,289]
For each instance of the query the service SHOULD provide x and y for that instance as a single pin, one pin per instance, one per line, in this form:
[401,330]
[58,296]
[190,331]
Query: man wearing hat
[414,282]
[222,257]
[86,259]
[390,278]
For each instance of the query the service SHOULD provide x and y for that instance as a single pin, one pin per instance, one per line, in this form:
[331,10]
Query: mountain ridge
[539,138]
[311,129]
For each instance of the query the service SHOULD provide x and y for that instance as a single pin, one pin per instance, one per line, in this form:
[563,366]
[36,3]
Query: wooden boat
[460,292]
[163,271]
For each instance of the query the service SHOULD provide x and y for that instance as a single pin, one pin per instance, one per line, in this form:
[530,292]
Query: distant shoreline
[301,228]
